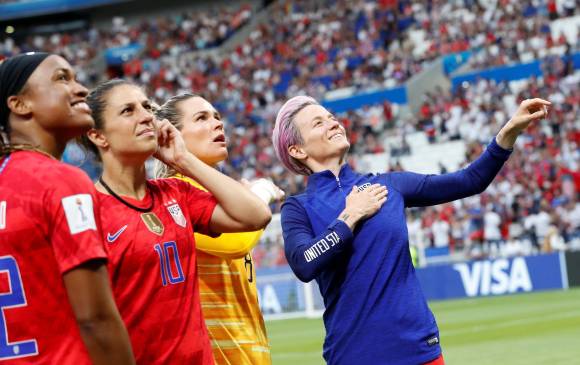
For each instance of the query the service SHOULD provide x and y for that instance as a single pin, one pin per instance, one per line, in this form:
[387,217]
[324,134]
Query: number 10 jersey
[153,270]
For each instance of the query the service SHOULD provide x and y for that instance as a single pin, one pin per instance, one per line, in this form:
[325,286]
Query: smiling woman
[62,95]
[343,233]
[50,245]
[150,223]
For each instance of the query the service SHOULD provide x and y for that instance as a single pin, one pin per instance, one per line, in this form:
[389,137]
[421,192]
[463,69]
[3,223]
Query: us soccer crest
[176,213]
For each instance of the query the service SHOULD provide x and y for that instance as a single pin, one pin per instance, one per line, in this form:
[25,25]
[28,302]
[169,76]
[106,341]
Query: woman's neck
[44,142]
[124,179]
[332,164]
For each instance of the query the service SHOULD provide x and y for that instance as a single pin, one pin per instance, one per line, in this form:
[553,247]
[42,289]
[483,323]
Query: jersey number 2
[14,298]
[167,274]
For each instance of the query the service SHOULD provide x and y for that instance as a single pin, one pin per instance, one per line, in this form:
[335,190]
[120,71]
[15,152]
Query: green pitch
[524,329]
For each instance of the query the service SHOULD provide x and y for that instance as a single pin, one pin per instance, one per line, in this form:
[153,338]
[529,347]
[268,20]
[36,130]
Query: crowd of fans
[499,32]
[169,35]
[532,205]
[305,47]
[312,47]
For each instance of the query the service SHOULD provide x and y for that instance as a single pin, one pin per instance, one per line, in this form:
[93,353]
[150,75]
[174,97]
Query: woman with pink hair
[344,233]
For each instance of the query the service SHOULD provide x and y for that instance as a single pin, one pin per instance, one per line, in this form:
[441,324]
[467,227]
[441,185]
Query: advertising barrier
[573,268]
[282,295]
[396,95]
[494,277]
[518,71]
[116,56]
[23,9]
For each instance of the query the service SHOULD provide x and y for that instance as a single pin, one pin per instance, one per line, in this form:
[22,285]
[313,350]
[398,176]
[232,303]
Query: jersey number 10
[167,274]
[15,297]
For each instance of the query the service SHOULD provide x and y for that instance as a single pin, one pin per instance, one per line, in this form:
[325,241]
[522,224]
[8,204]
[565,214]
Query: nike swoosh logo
[113,237]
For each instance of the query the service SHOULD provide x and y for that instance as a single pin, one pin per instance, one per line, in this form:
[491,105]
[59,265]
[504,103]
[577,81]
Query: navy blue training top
[375,309]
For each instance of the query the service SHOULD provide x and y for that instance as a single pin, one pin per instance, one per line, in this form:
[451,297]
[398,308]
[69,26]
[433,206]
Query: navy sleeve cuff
[341,229]
[497,151]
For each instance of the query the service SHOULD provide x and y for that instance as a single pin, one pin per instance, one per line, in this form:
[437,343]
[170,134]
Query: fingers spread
[382,194]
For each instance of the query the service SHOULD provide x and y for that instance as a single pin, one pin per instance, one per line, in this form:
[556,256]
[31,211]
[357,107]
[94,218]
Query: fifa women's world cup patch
[78,210]
[176,212]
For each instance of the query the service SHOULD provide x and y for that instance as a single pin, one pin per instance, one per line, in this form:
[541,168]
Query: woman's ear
[297,152]
[18,106]
[97,138]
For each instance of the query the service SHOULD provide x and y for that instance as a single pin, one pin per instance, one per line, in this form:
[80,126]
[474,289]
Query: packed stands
[498,33]
[314,47]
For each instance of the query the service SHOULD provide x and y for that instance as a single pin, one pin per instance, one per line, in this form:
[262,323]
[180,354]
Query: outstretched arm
[423,190]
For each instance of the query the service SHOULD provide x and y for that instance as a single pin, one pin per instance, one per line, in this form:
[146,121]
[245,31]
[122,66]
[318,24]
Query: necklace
[44,153]
[25,147]
[110,191]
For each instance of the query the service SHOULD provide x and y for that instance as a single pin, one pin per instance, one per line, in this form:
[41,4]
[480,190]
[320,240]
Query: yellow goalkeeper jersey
[229,297]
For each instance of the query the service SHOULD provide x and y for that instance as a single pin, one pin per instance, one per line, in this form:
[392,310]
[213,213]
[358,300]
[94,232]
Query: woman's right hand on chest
[363,204]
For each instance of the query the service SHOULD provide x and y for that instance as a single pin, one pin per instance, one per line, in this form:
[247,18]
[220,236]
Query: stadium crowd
[168,35]
[533,204]
[499,33]
[363,45]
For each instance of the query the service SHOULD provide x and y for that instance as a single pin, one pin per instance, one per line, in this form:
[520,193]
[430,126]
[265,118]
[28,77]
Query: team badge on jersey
[176,213]
[78,210]
[153,223]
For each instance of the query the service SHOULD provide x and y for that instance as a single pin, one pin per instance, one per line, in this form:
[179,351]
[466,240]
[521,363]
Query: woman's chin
[145,149]
[344,147]
[218,157]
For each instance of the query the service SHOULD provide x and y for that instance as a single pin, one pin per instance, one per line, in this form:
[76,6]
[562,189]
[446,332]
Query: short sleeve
[72,210]
[201,205]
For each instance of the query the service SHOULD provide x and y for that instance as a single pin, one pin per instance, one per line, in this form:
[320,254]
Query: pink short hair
[286,133]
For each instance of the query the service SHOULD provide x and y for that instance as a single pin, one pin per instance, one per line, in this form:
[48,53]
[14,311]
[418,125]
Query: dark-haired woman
[60,308]
[149,224]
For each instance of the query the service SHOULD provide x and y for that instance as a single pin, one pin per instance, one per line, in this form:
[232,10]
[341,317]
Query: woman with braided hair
[50,243]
